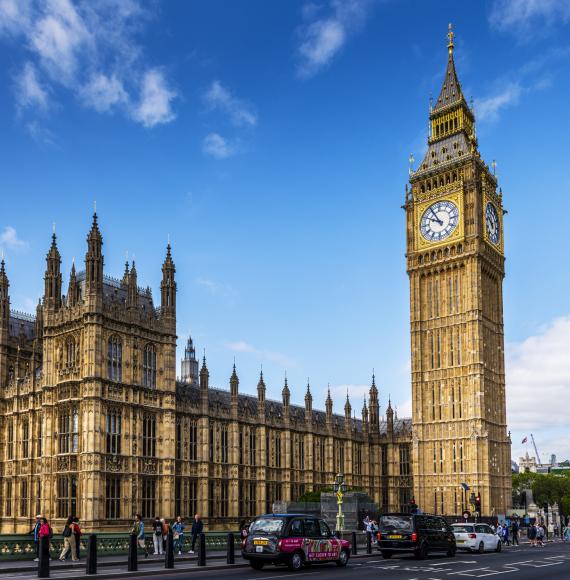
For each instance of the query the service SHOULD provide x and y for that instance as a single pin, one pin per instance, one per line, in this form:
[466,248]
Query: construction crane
[535,450]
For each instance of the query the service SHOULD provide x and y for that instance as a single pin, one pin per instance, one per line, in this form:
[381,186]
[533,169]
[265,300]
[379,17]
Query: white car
[476,538]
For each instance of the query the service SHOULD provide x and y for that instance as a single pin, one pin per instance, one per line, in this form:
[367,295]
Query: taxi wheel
[451,552]
[342,558]
[499,546]
[296,561]
[422,552]
[386,555]
[256,564]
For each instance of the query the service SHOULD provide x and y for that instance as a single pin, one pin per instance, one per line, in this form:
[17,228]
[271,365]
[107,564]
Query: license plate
[260,542]
[459,541]
[395,537]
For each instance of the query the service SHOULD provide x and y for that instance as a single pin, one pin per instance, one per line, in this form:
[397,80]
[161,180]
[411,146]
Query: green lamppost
[340,489]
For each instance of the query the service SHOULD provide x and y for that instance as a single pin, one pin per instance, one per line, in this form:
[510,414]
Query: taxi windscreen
[267,526]
[396,523]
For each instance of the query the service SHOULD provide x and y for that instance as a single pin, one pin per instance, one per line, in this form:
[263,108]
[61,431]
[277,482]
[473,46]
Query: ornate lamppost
[339,488]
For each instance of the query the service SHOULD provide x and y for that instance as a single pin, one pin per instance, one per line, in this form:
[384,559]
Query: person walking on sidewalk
[178,534]
[165,530]
[138,531]
[36,532]
[157,536]
[197,527]
[68,541]
[77,533]
[515,533]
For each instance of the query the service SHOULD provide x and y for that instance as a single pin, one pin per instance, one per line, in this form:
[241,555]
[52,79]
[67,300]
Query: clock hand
[436,218]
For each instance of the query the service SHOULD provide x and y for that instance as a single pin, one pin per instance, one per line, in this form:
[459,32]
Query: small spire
[450,36]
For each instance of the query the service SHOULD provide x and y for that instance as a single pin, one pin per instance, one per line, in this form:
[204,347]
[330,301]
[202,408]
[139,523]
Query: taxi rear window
[392,523]
[267,526]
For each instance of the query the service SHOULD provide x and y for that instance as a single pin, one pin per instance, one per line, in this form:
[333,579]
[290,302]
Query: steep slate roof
[114,291]
[21,323]
[447,150]
[451,92]
[220,399]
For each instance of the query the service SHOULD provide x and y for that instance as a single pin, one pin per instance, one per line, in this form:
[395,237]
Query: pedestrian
[531,534]
[515,533]
[157,536]
[138,531]
[197,527]
[540,536]
[505,537]
[178,534]
[68,541]
[566,534]
[499,531]
[243,530]
[45,531]
[77,533]
[165,530]
[36,532]
[550,531]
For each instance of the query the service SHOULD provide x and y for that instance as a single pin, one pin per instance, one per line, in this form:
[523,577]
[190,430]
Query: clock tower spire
[455,263]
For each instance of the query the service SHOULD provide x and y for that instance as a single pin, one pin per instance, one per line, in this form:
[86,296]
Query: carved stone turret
[52,278]
[94,260]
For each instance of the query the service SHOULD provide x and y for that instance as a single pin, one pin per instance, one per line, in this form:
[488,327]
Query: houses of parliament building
[94,422]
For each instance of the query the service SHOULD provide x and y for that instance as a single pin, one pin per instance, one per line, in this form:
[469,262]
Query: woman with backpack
[69,540]
[157,536]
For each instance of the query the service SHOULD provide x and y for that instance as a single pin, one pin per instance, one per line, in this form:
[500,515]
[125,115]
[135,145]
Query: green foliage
[315,496]
[548,488]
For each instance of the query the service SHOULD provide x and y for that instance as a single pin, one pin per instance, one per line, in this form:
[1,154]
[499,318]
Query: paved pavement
[525,562]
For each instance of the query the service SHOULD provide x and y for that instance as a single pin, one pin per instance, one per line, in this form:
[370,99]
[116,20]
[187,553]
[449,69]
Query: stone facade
[94,422]
[455,261]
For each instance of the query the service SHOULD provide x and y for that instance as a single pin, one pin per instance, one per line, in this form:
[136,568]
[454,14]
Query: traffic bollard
[354,544]
[169,553]
[43,562]
[231,558]
[91,561]
[369,542]
[202,550]
[133,561]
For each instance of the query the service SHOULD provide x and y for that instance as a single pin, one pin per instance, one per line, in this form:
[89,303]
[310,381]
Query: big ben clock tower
[455,262]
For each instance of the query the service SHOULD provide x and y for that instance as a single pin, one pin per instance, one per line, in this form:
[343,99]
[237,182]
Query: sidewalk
[15,566]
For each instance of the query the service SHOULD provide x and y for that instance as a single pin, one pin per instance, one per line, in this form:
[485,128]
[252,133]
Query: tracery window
[252,446]
[25,439]
[224,443]
[10,442]
[70,352]
[24,498]
[66,496]
[404,460]
[113,431]
[113,498]
[193,447]
[149,366]
[149,436]
[68,435]
[115,359]
[148,497]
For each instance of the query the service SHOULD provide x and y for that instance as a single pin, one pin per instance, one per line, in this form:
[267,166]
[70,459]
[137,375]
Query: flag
[465,486]
[524,440]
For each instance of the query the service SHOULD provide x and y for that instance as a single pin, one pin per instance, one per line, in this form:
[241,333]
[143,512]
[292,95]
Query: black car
[419,534]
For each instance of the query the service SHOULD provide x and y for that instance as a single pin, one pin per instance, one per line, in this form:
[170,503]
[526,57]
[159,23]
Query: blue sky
[270,140]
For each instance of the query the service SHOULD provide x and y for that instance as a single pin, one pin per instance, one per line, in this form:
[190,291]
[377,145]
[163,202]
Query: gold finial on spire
[450,36]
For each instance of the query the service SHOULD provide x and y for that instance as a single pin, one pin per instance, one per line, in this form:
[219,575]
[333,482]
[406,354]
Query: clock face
[439,220]
[492,223]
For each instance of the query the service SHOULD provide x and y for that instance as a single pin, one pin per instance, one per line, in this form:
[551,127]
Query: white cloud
[102,93]
[489,108]
[57,37]
[9,239]
[538,378]
[217,288]
[90,50]
[274,357]
[528,16]
[239,112]
[155,106]
[30,92]
[217,146]
[322,36]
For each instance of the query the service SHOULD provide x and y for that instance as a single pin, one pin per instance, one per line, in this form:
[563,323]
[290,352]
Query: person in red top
[44,528]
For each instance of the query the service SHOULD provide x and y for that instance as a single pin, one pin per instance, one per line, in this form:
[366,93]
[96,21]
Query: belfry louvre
[95,423]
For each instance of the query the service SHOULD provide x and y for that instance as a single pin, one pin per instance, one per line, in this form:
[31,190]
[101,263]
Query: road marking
[455,562]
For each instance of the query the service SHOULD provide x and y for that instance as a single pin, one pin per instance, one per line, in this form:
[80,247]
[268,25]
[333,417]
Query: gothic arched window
[115,359]
[149,366]
[70,352]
